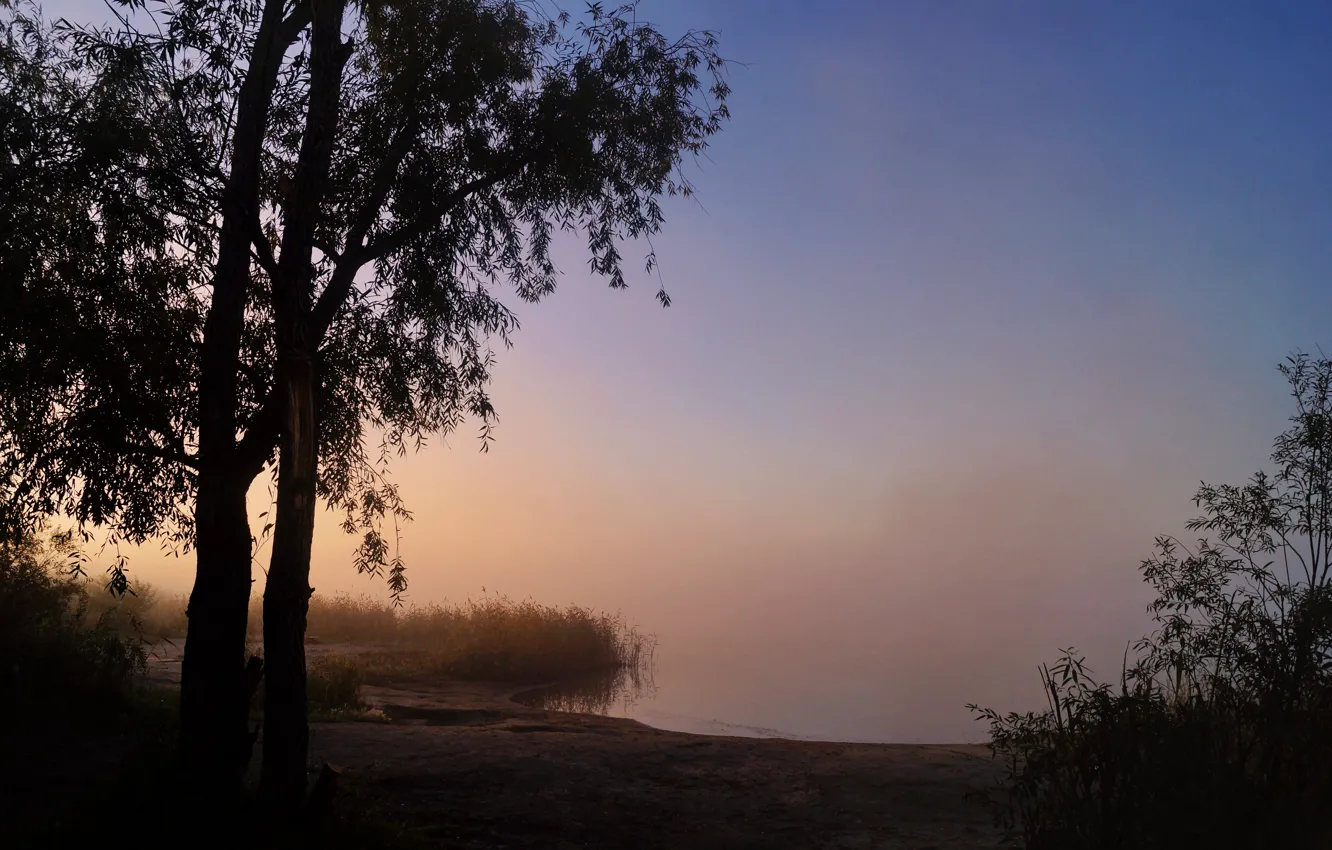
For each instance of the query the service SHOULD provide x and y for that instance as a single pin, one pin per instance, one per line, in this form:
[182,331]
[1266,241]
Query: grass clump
[343,618]
[1219,733]
[499,639]
[333,688]
[491,639]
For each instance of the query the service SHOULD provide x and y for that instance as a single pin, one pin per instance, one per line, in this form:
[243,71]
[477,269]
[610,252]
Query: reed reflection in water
[613,692]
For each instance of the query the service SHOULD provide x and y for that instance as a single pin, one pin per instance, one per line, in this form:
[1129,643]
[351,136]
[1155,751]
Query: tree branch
[159,452]
[326,248]
[349,262]
[356,256]
[291,289]
[263,250]
[261,436]
[396,240]
[240,204]
[299,19]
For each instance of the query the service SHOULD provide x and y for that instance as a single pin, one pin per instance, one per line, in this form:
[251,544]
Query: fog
[825,601]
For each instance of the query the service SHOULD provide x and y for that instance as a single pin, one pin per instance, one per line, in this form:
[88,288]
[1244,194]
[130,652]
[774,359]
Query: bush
[141,612]
[1219,733]
[55,662]
[333,686]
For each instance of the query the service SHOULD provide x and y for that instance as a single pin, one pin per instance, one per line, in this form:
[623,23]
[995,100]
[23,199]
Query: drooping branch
[397,239]
[463,130]
[261,434]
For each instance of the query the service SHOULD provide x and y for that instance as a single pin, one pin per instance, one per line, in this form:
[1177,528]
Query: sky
[972,296]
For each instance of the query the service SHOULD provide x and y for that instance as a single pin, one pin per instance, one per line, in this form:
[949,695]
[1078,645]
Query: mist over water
[869,614]
[856,571]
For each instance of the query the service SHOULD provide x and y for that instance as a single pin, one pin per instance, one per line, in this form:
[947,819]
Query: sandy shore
[474,769]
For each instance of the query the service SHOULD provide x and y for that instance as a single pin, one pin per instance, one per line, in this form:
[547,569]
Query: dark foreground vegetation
[1218,732]
[89,739]
[88,746]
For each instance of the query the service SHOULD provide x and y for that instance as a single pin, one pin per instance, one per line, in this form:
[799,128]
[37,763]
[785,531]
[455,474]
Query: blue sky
[1065,214]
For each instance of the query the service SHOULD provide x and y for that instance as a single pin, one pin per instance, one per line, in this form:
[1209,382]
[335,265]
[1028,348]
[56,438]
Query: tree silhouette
[251,230]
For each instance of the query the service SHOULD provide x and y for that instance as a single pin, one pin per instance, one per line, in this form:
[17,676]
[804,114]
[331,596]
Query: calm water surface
[701,696]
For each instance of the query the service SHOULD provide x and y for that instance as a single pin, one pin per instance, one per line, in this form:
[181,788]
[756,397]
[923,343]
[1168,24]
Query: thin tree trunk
[287,594]
[214,699]
[213,694]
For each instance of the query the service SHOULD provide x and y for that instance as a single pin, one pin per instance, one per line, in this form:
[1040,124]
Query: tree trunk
[214,699]
[287,594]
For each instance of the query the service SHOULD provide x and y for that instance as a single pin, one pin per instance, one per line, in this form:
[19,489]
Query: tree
[300,213]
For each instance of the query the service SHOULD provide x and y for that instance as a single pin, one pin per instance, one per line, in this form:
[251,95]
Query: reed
[492,637]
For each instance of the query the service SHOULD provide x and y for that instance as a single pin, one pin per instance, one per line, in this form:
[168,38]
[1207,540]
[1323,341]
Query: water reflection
[611,693]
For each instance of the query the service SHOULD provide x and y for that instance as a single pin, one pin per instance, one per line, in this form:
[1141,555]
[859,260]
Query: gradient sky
[974,294]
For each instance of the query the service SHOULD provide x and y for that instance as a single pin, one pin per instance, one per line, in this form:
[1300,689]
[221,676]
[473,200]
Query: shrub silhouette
[1219,731]
[57,664]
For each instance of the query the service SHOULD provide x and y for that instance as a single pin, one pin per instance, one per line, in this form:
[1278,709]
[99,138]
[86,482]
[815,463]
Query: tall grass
[493,637]
[1219,732]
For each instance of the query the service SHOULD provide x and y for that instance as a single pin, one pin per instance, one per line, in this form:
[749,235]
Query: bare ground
[474,769]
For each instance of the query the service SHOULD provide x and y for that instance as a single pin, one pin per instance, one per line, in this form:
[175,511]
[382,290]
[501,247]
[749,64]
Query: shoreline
[468,767]
[501,698]
[464,763]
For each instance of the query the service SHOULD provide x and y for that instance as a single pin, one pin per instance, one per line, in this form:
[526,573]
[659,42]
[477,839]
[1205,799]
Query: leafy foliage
[101,318]
[466,135]
[1220,732]
[57,664]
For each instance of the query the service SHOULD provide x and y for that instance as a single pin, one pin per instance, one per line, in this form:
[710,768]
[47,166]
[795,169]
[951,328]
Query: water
[824,689]
[730,694]
[633,694]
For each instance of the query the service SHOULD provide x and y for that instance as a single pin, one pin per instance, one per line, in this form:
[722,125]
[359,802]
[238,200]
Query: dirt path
[476,770]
